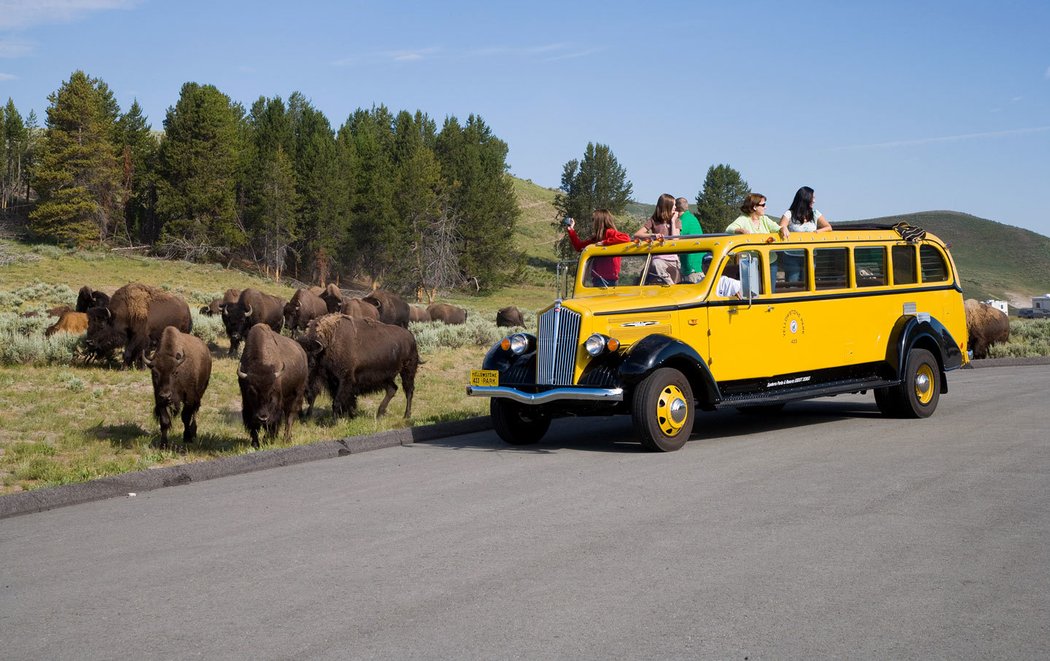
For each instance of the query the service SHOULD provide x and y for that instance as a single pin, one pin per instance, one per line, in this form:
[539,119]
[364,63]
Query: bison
[985,325]
[304,307]
[215,307]
[252,307]
[135,318]
[449,314]
[69,322]
[88,298]
[180,369]
[333,297]
[418,313]
[359,356]
[272,376]
[392,308]
[510,316]
[356,307]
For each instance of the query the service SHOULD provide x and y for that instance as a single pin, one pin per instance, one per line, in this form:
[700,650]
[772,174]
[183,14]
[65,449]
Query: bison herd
[346,346]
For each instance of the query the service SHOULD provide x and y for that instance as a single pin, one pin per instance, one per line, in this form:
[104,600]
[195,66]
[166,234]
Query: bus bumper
[554,394]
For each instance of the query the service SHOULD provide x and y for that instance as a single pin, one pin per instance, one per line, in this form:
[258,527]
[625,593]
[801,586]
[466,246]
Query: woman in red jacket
[605,271]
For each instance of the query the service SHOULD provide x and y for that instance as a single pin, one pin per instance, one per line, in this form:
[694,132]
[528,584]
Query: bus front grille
[559,335]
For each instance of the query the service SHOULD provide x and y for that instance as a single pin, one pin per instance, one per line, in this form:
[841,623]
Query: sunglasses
[761,205]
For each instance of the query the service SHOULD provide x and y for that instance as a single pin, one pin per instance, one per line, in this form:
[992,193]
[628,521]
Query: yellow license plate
[484,377]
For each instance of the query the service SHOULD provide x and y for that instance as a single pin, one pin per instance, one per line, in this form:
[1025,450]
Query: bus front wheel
[516,423]
[663,410]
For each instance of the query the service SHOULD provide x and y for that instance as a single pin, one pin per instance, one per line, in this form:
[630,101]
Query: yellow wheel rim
[924,384]
[672,410]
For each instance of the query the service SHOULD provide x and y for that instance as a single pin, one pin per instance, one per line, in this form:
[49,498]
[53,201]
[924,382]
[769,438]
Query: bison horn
[278,372]
[247,311]
[148,357]
[242,375]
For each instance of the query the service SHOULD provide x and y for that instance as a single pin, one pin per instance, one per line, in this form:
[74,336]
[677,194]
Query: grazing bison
[303,307]
[392,308]
[985,325]
[272,377]
[135,318]
[68,322]
[89,298]
[181,369]
[356,307]
[252,307]
[359,356]
[510,316]
[449,314]
[333,297]
[215,307]
[418,313]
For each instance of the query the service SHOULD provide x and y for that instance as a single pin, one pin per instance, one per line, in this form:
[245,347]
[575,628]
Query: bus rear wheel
[919,391]
[663,410]
[516,423]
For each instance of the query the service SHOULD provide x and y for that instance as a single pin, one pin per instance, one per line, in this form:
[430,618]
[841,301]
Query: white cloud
[544,52]
[945,138]
[20,14]
[14,48]
[7,76]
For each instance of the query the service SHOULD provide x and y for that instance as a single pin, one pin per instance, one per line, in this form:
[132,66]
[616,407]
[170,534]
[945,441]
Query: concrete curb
[39,500]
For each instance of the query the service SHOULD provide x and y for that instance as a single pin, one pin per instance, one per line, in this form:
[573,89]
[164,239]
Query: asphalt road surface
[824,531]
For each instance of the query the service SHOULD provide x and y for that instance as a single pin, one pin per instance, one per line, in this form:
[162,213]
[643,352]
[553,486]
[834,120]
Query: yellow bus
[712,321]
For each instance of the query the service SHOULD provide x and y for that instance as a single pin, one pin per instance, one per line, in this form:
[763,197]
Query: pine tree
[78,173]
[275,214]
[200,170]
[718,203]
[139,150]
[596,182]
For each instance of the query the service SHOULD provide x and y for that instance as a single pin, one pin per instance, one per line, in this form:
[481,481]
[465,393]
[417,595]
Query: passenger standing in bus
[801,217]
[605,271]
[664,222]
[755,221]
[692,263]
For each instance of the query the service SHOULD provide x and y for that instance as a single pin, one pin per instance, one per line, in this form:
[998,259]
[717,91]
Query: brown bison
[332,297]
[392,308]
[272,377]
[68,322]
[135,318]
[985,325]
[449,314]
[359,356]
[252,307]
[356,307]
[180,369]
[418,313]
[510,316]
[88,298]
[215,307]
[304,307]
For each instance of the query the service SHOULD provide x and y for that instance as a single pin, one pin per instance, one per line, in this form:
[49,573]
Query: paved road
[826,531]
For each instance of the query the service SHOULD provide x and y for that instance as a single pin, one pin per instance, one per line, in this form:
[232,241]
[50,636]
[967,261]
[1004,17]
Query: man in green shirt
[692,263]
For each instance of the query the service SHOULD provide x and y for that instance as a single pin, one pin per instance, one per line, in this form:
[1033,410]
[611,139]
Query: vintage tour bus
[720,320]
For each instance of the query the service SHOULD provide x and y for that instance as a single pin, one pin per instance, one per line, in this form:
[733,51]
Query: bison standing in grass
[272,377]
[359,356]
[448,314]
[333,297]
[134,319]
[252,307]
[509,317]
[181,369]
[215,307]
[418,313]
[304,307]
[356,307]
[392,308]
[88,298]
[985,326]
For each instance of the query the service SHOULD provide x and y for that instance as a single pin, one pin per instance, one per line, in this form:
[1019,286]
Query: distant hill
[995,260]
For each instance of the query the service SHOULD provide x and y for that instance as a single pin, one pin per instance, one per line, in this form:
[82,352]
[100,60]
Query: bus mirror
[750,280]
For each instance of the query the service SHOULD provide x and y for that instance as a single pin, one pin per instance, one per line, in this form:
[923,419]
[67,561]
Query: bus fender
[656,351]
[513,369]
[926,332]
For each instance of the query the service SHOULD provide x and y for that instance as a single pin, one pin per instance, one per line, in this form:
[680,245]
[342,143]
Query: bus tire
[663,410]
[921,385]
[889,401]
[516,423]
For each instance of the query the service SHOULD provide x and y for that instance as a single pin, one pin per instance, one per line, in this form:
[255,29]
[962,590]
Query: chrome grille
[556,349]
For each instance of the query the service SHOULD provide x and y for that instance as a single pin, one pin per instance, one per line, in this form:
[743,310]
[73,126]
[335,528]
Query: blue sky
[882,107]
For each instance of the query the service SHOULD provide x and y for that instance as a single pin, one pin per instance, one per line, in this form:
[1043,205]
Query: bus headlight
[597,344]
[517,344]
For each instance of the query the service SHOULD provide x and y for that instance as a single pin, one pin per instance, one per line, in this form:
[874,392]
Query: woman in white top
[801,217]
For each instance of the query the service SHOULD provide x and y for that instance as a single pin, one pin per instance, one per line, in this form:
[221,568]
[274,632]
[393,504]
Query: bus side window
[870,265]
[831,268]
[904,265]
[934,269]
[792,271]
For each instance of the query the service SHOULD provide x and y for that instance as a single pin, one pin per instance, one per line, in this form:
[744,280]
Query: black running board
[807,392]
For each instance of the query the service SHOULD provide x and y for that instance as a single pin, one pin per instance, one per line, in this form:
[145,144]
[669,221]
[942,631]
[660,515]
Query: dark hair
[664,209]
[802,206]
[603,220]
[751,202]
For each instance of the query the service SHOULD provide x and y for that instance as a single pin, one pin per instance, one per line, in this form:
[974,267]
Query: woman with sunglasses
[755,221]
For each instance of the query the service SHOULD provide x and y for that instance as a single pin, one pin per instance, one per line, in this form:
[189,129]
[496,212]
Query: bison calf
[181,369]
[272,377]
[69,322]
